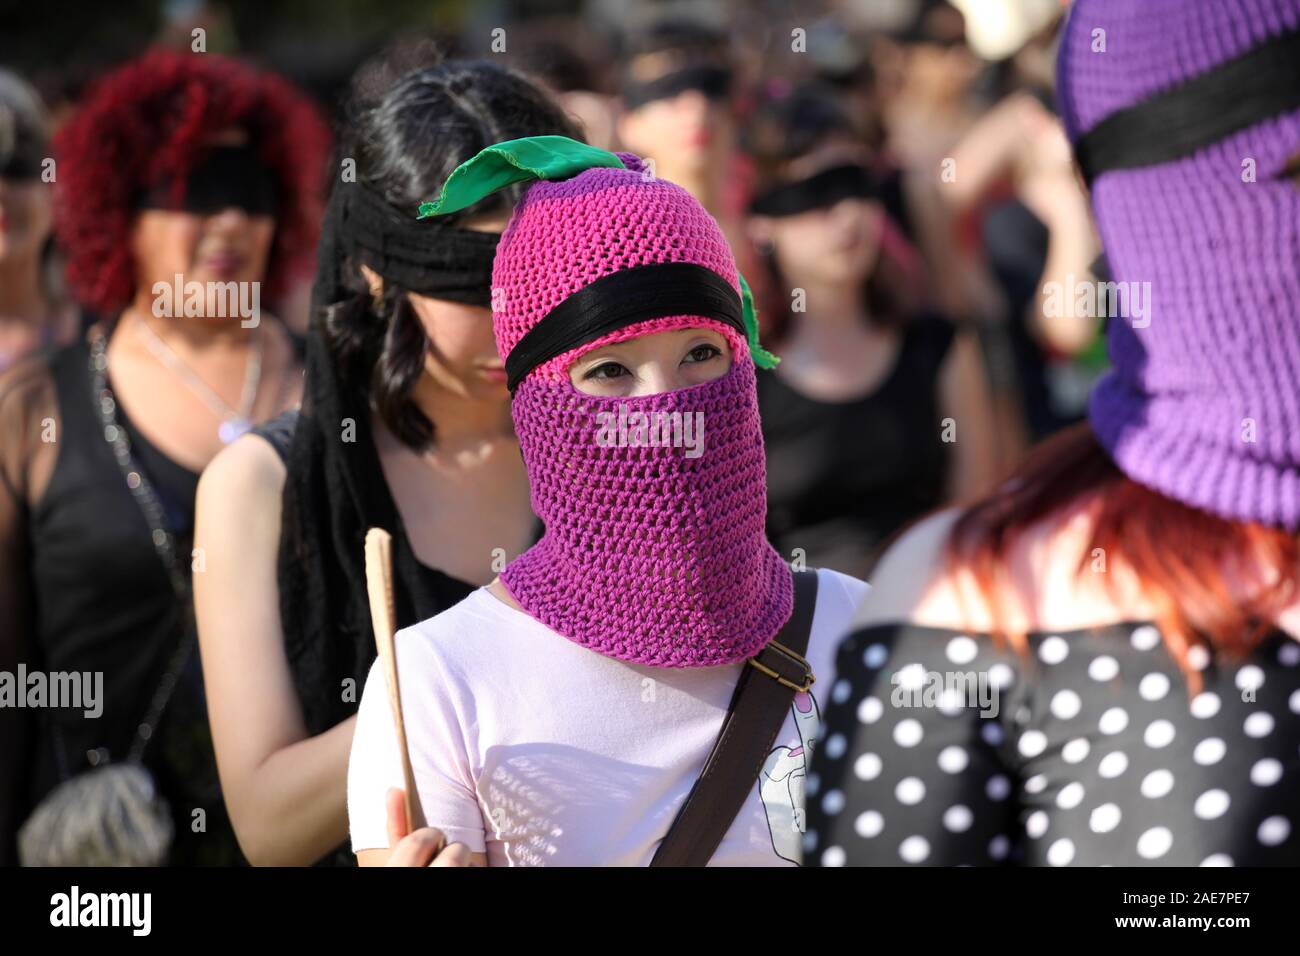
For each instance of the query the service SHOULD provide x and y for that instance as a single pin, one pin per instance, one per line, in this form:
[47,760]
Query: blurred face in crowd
[942,67]
[26,215]
[653,364]
[690,131]
[230,244]
[835,244]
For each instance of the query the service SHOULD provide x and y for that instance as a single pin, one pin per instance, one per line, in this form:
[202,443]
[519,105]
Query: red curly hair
[148,121]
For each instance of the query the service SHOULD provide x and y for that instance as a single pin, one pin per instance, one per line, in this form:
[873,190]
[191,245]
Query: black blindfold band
[1258,85]
[713,81]
[427,257]
[621,299]
[819,191]
[225,177]
[21,168]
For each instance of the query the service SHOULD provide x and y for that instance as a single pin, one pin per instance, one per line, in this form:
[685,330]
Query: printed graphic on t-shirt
[781,784]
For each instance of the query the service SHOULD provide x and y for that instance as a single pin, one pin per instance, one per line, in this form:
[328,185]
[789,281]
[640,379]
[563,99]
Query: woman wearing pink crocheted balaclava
[562,714]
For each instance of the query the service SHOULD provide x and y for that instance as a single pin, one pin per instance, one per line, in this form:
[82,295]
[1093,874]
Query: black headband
[819,191]
[426,257]
[22,164]
[1258,85]
[711,80]
[621,299]
[225,177]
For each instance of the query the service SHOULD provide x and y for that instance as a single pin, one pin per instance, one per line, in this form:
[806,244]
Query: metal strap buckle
[791,655]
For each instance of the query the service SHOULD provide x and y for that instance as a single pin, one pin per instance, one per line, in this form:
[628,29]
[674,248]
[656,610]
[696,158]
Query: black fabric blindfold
[225,177]
[819,191]
[713,81]
[427,257]
[20,167]
[1256,86]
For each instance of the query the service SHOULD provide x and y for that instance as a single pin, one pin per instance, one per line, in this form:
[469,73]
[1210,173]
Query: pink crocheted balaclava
[654,550]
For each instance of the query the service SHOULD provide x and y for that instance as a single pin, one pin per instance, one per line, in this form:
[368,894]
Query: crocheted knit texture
[651,555]
[1202,403]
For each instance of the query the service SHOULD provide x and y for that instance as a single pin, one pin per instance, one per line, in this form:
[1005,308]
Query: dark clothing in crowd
[101,600]
[842,477]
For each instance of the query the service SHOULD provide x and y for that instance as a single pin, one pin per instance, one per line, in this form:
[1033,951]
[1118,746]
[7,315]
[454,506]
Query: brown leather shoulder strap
[759,705]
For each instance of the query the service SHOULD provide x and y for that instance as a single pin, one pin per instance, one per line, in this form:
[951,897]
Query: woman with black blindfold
[405,425]
[679,96]
[878,412]
[33,311]
[187,193]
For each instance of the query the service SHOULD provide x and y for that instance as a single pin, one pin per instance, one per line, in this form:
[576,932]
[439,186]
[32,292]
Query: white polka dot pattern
[1096,753]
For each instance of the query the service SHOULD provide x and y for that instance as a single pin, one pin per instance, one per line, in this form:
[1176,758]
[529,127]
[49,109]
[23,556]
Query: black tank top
[104,603]
[843,476]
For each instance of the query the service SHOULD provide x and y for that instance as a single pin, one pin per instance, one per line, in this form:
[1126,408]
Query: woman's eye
[702,353]
[605,370]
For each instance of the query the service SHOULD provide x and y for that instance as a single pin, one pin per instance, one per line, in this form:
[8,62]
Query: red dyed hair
[1181,557]
[149,120]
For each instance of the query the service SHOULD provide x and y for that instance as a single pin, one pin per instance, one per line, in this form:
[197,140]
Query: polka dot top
[940,748]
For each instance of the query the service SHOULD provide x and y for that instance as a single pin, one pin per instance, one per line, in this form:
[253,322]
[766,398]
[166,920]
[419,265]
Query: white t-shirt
[542,752]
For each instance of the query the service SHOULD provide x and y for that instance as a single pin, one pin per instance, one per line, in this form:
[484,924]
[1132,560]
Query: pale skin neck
[498,591]
[192,336]
[21,297]
[835,311]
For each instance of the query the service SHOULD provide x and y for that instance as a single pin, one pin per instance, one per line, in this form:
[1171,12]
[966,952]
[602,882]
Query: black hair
[783,128]
[24,133]
[692,43]
[692,38]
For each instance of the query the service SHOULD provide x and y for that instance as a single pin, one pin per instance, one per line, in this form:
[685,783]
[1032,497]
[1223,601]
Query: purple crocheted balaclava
[654,552]
[1185,115]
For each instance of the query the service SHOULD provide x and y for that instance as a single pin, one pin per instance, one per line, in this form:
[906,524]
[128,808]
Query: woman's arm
[286,791]
[1072,246]
[965,397]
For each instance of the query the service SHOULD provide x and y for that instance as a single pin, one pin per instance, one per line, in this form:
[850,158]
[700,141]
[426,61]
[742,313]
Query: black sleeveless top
[104,603]
[449,590]
[844,476]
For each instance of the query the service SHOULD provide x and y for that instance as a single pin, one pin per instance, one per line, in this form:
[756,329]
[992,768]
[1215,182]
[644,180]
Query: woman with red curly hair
[188,193]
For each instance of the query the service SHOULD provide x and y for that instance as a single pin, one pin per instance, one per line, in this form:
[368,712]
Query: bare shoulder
[912,581]
[247,474]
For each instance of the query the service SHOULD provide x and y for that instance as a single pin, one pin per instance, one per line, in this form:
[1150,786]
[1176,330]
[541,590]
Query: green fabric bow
[552,158]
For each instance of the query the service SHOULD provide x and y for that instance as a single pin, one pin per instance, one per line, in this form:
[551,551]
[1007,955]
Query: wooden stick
[379,587]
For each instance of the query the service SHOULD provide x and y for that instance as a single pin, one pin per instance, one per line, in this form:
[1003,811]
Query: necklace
[234,422]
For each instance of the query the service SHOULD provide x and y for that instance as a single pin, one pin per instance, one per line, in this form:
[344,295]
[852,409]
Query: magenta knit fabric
[1202,404]
[650,555]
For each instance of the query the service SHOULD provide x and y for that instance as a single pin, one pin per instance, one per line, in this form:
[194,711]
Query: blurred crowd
[892,178]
